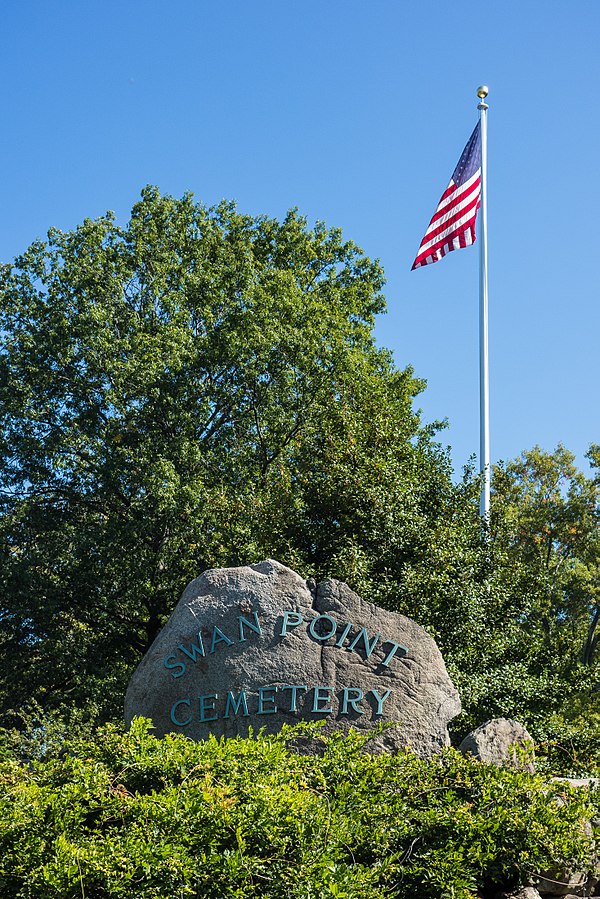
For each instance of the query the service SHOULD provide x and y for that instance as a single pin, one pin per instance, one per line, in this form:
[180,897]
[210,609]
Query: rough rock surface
[579,782]
[523,893]
[497,741]
[560,883]
[258,646]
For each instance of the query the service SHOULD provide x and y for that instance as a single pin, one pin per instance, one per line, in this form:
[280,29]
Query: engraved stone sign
[259,646]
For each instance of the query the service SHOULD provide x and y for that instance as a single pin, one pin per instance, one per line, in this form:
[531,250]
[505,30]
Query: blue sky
[356,112]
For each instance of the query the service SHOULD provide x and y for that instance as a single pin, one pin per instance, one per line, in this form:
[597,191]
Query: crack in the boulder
[313,587]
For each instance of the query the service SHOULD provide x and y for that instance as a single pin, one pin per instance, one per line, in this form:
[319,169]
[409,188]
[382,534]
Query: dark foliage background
[201,388]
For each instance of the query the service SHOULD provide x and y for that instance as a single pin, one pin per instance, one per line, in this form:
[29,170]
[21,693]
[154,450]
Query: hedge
[130,815]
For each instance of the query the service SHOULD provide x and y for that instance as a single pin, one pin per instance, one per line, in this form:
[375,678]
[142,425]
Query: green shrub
[129,815]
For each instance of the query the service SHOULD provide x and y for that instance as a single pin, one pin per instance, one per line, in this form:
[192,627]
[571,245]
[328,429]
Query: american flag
[453,222]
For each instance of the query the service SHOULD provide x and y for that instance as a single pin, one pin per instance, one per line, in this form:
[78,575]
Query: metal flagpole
[484,379]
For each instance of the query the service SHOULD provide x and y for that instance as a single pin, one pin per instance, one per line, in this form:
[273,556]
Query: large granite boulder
[260,647]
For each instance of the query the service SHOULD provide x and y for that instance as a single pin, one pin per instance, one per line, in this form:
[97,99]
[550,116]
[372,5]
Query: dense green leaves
[131,815]
[201,388]
[550,513]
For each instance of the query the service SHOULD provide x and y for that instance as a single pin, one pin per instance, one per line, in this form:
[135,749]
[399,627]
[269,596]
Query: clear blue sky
[356,112]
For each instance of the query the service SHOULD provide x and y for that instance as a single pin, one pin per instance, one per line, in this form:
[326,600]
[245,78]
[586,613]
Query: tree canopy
[202,388]
[195,389]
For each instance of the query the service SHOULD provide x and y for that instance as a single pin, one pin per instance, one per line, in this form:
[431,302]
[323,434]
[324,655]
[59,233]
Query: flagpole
[484,379]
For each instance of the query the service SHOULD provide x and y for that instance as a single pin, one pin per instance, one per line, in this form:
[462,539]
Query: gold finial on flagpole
[482,91]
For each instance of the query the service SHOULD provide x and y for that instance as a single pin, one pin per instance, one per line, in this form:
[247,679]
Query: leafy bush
[129,815]
[569,743]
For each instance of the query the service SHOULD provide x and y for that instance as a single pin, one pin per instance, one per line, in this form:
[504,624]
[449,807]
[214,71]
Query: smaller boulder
[498,741]
[565,884]
[523,893]
[591,782]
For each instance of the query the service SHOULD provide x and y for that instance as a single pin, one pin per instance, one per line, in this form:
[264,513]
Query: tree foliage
[196,389]
[550,517]
[201,388]
[525,599]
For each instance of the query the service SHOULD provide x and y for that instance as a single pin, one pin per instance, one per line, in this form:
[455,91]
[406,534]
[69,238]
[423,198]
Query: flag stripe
[440,252]
[447,240]
[446,243]
[455,219]
[452,226]
[452,215]
[453,192]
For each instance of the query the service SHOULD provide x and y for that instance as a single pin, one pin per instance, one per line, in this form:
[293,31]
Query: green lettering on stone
[233,703]
[392,652]
[347,700]
[380,700]
[253,626]
[174,663]
[289,622]
[369,647]
[195,650]
[294,689]
[207,706]
[344,634]
[322,637]
[264,698]
[322,694]
[174,707]
[219,637]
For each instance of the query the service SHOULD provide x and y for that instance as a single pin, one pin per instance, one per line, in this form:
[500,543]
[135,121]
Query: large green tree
[201,388]
[195,389]
[526,599]
[549,515]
